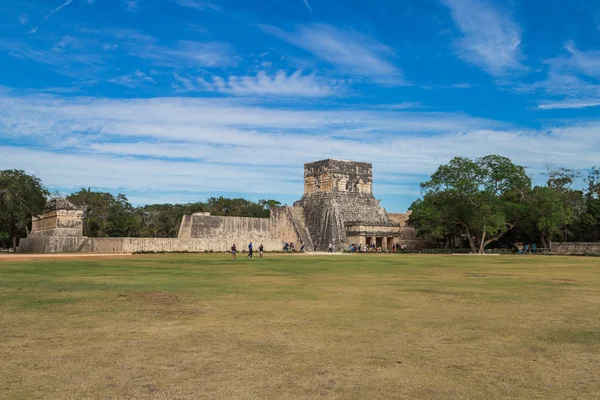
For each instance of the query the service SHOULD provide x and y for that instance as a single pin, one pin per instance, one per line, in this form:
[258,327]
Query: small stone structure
[58,228]
[338,208]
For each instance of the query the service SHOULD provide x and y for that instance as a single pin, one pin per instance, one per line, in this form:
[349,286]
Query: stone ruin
[58,228]
[338,208]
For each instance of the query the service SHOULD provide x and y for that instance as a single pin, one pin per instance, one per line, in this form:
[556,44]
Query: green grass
[351,327]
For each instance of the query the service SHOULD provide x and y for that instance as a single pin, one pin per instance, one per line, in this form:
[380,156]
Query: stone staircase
[85,242]
[327,212]
[296,215]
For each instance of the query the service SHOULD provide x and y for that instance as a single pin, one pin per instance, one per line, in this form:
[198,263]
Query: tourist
[250,249]
[534,248]
[260,250]
[301,247]
[330,248]
[526,249]
[233,251]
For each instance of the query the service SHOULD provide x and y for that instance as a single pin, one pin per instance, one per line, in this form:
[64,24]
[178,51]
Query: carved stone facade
[339,209]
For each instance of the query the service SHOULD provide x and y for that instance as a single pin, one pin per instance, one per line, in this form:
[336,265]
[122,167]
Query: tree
[482,198]
[588,221]
[105,214]
[21,196]
[552,207]
[550,211]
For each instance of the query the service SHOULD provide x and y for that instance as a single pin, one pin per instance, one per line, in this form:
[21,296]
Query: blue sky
[178,100]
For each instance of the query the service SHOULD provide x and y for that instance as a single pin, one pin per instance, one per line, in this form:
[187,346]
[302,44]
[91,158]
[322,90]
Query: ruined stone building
[338,208]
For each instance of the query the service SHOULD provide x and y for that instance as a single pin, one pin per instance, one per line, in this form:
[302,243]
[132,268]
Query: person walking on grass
[250,250]
[330,249]
[260,250]
[233,251]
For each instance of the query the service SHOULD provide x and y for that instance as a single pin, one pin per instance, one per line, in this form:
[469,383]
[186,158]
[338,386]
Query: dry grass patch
[200,326]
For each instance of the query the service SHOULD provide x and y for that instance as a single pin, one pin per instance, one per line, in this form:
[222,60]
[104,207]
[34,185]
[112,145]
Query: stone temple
[338,208]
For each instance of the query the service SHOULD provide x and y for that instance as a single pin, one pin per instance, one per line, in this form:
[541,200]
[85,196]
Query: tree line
[105,214]
[473,203]
[491,202]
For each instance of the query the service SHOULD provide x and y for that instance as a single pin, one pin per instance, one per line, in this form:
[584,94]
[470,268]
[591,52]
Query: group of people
[250,251]
[292,246]
[363,248]
[527,249]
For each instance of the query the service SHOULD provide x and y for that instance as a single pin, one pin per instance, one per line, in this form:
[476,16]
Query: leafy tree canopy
[482,198]
[21,196]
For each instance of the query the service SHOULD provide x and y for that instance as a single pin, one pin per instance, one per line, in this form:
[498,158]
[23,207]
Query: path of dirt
[25,256]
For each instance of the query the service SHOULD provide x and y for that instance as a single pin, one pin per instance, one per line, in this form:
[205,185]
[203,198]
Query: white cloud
[54,11]
[491,39]
[23,19]
[573,81]
[262,84]
[133,79]
[198,4]
[132,5]
[351,52]
[586,62]
[213,146]
[188,54]
[572,104]
[308,6]
[93,54]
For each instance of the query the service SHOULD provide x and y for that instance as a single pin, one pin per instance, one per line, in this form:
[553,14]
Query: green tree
[106,215]
[482,198]
[552,208]
[21,196]
[588,221]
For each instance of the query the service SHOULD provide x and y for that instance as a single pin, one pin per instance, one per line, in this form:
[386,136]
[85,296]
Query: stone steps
[297,217]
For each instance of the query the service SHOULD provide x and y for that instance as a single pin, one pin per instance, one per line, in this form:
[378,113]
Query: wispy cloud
[262,84]
[308,6]
[132,5]
[94,54]
[585,62]
[57,9]
[172,143]
[573,80]
[491,39]
[133,79]
[23,19]
[566,105]
[188,54]
[198,4]
[351,52]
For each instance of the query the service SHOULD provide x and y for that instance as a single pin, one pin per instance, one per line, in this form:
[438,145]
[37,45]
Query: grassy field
[347,327]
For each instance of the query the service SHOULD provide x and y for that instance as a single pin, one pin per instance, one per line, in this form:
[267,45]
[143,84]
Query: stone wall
[132,245]
[400,218]
[575,248]
[282,225]
[224,228]
[49,244]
